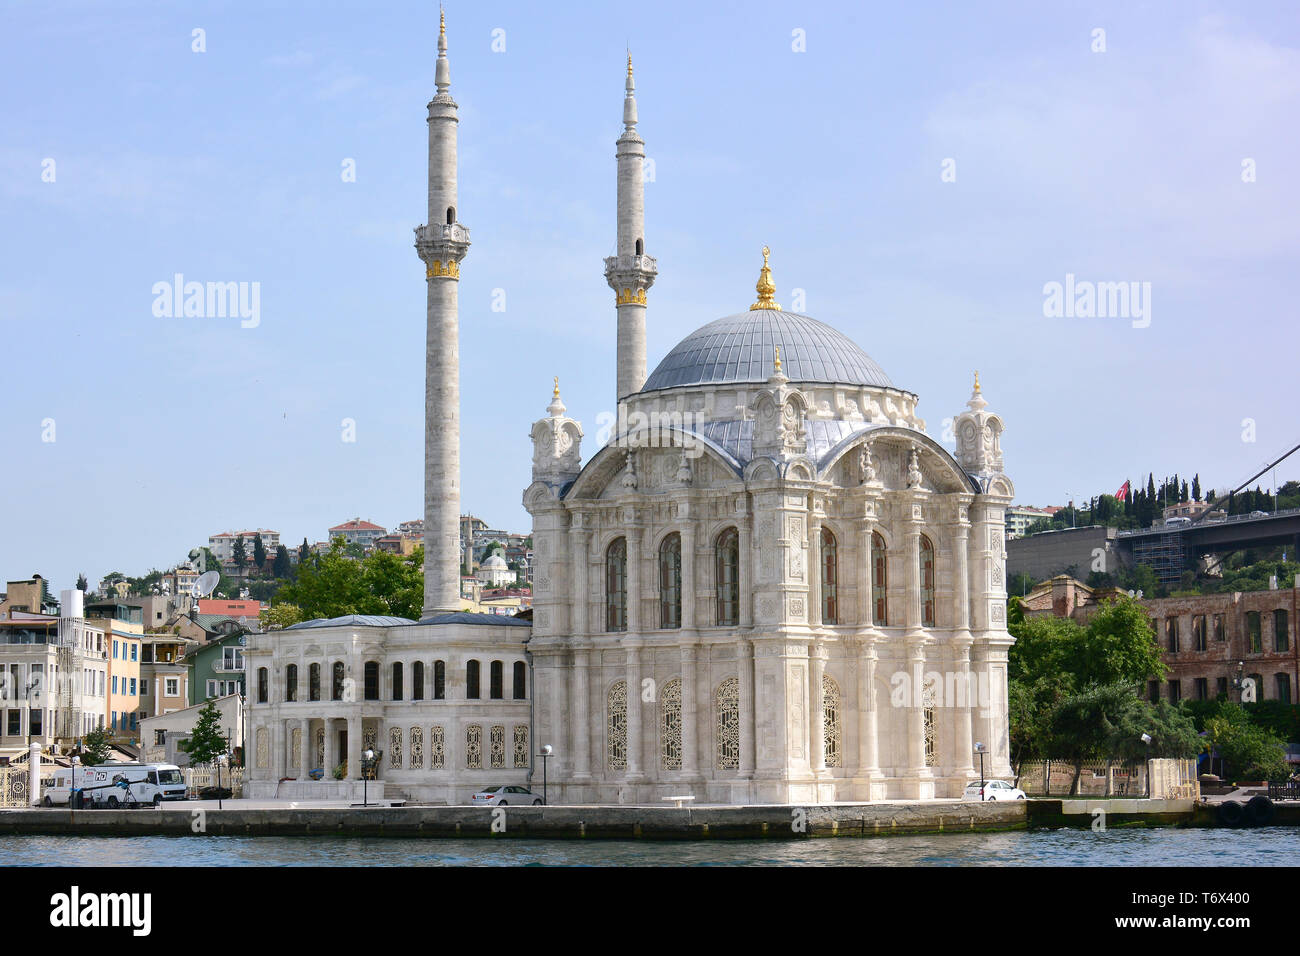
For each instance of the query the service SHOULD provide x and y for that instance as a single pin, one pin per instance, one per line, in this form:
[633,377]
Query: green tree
[82,583]
[206,740]
[304,552]
[281,615]
[259,553]
[333,585]
[282,566]
[94,747]
[1087,725]
[1119,646]
[1250,751]
[239,555]
[1021,584]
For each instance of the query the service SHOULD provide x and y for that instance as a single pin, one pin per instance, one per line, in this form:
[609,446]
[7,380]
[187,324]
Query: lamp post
[545,754]
[72,789]
[981,750]
[1238,681]
[367,761]
[1146,739]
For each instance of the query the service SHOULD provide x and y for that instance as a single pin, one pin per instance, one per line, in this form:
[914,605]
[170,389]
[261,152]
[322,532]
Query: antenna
[206,583]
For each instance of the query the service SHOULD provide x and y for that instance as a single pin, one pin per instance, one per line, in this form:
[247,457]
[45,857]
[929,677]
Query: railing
[13,787]
[196,778]
[1177,528]
[1284,791]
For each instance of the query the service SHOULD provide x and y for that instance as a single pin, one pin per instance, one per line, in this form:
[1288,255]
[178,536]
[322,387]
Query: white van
[147,784]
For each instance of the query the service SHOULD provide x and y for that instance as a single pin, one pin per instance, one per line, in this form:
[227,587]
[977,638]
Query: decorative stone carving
[866,467]
[914,476]
[557,442]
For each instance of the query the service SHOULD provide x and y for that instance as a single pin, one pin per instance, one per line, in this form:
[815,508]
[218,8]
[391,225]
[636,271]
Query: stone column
[688,581]
[354,748]
[814,569]
[745,660]
[34,773]
[690,723]
[912,575]
[747,581]
[578,539]
[634,771]
[634,569]
[868,743]
[331,759]
[306,752]
[916,711]
[817,704]
[581,711]
[965,744]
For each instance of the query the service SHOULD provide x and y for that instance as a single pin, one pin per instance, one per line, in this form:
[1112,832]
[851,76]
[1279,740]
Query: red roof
[230,608]
[357,525]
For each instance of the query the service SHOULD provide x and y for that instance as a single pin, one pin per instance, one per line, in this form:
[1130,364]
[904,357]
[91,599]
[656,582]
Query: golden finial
[765,287]
[442,22]
[778,360]
[556,392]
[977,382]
[629,62]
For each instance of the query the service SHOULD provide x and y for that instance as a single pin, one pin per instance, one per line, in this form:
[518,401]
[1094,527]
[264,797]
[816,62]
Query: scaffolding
[1164,554]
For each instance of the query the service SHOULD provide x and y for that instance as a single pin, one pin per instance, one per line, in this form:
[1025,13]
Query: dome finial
[556,392]
[556,408]
[778,360]
[977,382]
[765,287]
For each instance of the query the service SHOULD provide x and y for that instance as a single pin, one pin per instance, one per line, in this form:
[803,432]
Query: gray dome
[741,348]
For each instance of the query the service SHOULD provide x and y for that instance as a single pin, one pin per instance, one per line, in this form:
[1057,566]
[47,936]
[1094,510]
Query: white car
[992,790]
[504,796]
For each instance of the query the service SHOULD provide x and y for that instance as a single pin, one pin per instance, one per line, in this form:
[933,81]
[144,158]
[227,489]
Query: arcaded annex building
[771,585]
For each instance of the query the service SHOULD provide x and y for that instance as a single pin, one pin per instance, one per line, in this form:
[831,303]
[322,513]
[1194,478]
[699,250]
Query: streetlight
[367,762]
[545,755]
[981,750]
[72,789]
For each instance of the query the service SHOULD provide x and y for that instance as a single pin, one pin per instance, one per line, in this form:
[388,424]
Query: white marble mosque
[772,585]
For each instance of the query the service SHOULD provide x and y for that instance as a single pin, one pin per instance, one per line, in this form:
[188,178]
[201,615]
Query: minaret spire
[630,272]
[442,244]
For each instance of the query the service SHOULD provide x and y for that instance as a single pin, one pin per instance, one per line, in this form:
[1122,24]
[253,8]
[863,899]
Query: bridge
[1172,549]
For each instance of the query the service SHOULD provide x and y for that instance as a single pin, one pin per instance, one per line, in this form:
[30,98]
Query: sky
[922,173]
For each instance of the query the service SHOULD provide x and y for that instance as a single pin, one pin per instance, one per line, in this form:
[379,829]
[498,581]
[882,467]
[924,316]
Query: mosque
[771,585]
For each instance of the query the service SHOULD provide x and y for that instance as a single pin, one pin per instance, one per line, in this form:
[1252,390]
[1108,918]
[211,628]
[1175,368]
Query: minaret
[442,244]
[630,271]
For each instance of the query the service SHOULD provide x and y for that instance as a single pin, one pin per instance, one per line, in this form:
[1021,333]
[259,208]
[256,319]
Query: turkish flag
[1122,494]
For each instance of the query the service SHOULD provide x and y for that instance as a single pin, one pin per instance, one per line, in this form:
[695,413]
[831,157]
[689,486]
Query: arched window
[670,725]
[291,683]
[879,581]
[417,688]
[830,578]
[931,730]
[371,673]
[439,680]
[521,680]
[831,733]
[262,681]
[727,729]
[471,680]
[640,247]
[616,586]
[495,681]
[451,215]
[727,569]
[670,581]
[336,682]
[927,582]
[397,680]
[313,682]
[474,746]
[417,748]
[437,748]
[616,727]
[521,746]
[395,748]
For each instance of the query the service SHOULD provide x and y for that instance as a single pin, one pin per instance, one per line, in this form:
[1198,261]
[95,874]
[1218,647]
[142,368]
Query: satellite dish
[206,582]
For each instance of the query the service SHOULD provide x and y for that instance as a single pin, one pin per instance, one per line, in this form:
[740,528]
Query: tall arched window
[927,582]
[928,696]
[831,732]
[616,586]
[727,729]
[336,681]
[830,578]
[291,683]
[372,680]
[640,247]
[262,681]
[395,748]
[417,687]
[471,680]
[670,581]
[397,680]
[616,727]
[496,680]
[439,680]
[879,581]
[727,570]
[670,725]
[313,682]
[417,748]
[474,747]
[520,680]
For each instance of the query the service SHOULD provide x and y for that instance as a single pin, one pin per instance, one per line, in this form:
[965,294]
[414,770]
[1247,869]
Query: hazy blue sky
[225,165]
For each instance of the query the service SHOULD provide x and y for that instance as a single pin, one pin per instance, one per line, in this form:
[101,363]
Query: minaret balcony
[441,242]
[636,271]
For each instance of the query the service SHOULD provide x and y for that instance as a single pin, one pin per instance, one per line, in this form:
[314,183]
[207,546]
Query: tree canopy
[334,584]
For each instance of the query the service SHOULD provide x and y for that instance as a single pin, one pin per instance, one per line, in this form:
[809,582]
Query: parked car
[992,790]
[504,796]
